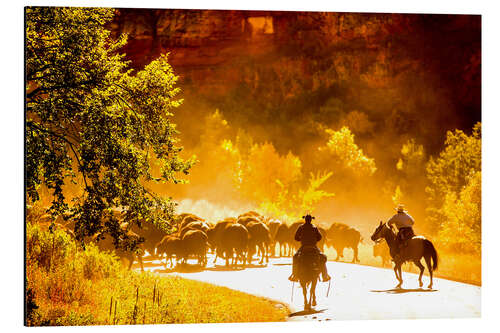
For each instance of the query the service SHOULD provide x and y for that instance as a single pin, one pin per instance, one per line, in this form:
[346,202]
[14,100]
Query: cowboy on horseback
[308,235]
[404,223]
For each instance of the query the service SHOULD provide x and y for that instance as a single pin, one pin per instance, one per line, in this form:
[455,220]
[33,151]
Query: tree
[345,154]
[461,228]
[410,177]
[451,171]
[412,160]
[265,172]
[90,118]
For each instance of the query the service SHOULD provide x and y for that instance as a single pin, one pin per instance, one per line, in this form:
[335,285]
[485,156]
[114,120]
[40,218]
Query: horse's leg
[268,251]
[313,292]
[264,252]
[421,267]
[304,292]
[429,267]
[216,253]
[396,270]
[400,275]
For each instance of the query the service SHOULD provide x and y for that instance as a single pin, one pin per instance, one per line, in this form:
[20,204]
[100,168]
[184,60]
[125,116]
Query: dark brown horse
[416,248]
[308,274]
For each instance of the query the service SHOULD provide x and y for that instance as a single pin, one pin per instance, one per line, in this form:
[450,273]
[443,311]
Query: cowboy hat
[400,208]
[308,216]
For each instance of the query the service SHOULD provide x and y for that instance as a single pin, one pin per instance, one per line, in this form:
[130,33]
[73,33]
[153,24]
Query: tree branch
[77,157]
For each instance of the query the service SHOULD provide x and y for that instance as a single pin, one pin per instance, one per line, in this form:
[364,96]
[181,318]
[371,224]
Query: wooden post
[110,309]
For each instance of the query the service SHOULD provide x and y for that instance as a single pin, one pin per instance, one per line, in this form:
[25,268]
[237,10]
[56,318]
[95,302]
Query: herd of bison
[237,240]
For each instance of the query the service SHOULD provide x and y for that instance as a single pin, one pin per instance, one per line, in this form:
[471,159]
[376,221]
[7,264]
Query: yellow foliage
[455,191]
[412,162]
[291,205]
[461,229]
[399,165]
[358,122]
[216,129]
[397,198]
[265,172]
[344,150]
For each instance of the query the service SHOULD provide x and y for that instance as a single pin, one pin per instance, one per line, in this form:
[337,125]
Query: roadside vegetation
[69,286]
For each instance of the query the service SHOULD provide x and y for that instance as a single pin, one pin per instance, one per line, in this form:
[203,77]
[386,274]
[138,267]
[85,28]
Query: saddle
[309,256]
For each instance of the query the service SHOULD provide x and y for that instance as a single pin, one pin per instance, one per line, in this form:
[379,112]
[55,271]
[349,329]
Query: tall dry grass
[69,286]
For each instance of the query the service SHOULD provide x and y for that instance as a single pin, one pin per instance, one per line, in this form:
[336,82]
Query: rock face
[396,70]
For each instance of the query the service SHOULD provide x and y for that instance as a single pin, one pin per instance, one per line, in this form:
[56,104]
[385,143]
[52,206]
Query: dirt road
[356,292]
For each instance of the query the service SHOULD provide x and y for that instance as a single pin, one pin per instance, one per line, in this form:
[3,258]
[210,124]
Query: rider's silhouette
[404,223]
[308,235]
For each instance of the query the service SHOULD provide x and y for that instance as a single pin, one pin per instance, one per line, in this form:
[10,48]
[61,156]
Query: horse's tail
[430,247]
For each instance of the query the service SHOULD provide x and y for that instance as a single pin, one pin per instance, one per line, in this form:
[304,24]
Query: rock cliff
[414,74]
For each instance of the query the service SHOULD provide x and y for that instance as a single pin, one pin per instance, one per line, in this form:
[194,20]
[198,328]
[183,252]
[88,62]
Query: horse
[308,275]
[417,247]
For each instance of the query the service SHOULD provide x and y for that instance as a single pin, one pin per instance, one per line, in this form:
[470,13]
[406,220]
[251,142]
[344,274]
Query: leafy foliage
[461,228]
[290,204]
[265,172]
[410,174]
[455,189]
[90,119]
[346,154]
[412,160]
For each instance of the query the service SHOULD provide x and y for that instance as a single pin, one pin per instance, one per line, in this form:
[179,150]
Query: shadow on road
[305,312]
[403,291]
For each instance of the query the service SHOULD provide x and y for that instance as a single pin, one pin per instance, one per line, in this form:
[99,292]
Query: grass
[453,266]
[75,287]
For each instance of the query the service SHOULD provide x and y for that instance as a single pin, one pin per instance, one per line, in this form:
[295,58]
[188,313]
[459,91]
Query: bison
[194,242]
[245,220]
[341,236]
[106,243]
[322,242]
[215,237]
[281,238]
[382,250]
[170,246]
[188,219]
[151,234]
[273,226]
[251,214]
[196,225]
[234,243]
[259,238]
[292,243]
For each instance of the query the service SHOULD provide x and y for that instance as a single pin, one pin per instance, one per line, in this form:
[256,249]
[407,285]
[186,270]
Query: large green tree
[93,121]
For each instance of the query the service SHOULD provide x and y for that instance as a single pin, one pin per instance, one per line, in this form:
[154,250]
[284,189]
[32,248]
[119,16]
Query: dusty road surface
[356,292]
